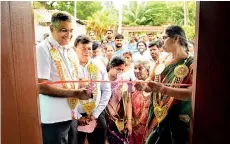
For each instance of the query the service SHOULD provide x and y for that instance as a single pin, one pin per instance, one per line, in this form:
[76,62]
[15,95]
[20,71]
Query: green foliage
[102,14]
[134,14]
[37,5]
[177,13]
[49,5]
[177,17]
[37,17]
[160,13]
[146,13]
[157,13]
[191,13]
[67,6]
[87,8]
[190,31]
[100,21]
[84,8]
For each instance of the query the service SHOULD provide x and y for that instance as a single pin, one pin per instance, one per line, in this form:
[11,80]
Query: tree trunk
[185,14]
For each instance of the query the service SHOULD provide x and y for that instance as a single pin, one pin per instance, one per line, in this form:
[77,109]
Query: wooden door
[19,104]
[211,88]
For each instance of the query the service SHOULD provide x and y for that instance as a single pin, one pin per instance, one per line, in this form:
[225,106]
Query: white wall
[40,31]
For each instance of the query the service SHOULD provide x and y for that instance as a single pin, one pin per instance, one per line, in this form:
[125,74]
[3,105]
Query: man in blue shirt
[119,49]
[132,45]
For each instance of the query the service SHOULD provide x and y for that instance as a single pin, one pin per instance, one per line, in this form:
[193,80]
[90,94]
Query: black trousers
[60,133]
[98,136]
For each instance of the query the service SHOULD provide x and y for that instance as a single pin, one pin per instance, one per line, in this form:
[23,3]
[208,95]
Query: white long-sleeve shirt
[104,89]
[146,56]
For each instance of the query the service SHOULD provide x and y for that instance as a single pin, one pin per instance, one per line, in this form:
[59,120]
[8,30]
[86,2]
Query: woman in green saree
[170,103]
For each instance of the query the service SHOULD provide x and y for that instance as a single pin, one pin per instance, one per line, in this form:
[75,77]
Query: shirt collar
[89,62]
[56,44]
[119,49]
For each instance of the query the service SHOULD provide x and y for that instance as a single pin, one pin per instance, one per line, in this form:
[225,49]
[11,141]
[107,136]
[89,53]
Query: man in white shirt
[57,62]
[143,53]
[101,92]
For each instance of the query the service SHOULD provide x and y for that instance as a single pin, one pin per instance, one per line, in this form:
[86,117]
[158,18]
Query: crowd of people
[155,109]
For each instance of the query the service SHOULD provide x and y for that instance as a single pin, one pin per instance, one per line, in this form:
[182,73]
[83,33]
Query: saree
[175,126]
[140,105]
[116,116]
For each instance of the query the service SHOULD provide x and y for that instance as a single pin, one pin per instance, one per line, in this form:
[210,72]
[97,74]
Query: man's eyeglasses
[109,33]
[64,30]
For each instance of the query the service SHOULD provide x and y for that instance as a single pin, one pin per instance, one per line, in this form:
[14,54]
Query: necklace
[161,105]
[63,74]
[88,106]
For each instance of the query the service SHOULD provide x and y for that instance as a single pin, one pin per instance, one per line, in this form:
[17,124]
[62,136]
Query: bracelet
[129,121]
